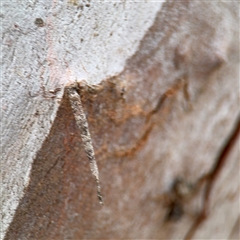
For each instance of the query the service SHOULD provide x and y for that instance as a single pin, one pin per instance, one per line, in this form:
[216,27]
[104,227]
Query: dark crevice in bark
[210,178]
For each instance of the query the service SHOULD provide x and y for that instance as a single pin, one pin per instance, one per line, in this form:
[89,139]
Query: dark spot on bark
[80,6]
[175,212]
[39,22]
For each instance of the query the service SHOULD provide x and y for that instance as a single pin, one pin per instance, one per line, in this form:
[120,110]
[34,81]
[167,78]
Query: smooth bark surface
[166,100]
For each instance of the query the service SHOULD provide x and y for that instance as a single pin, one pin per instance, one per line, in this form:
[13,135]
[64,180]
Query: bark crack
[210,178]
[150,121]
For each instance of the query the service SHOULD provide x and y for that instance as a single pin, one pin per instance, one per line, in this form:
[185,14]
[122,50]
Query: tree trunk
[159,83]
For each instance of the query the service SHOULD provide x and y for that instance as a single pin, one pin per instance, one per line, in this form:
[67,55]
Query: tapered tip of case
[100,200]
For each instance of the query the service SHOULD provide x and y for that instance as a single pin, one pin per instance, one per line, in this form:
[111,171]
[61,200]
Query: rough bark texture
[165,116]
[45,46]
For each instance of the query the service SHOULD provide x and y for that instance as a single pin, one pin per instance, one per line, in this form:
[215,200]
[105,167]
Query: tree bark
[159,83]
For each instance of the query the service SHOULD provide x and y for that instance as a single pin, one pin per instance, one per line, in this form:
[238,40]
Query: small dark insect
[39,22]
